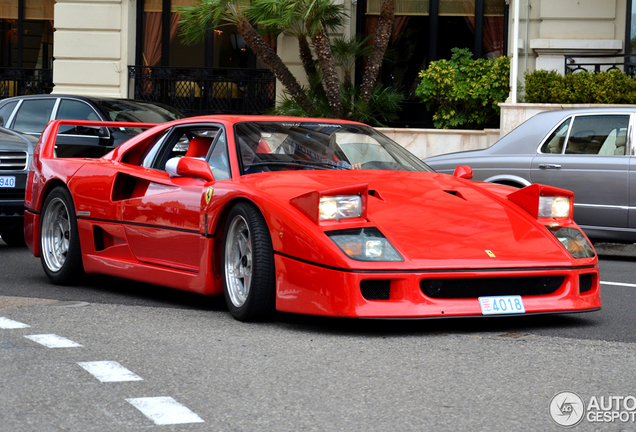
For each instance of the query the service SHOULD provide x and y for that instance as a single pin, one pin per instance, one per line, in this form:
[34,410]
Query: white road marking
[6,323]
[164,410]
[619,284]
[109,371]
[53,341]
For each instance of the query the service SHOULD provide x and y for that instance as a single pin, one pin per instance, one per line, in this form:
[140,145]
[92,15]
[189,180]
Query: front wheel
[60,251]
[248,265]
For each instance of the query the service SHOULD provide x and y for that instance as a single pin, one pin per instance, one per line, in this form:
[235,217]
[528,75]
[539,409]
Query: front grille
[585,283]
[478,287]
[11,194]
[12,160]
[376,289]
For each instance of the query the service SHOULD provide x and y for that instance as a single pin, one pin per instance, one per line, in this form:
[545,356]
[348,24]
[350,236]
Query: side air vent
[13,160]
[376,289]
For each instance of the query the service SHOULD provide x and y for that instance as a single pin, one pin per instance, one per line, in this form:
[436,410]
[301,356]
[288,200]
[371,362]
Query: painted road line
[53,341]
[164,410]
[109,371]
[619,284]
[6,323]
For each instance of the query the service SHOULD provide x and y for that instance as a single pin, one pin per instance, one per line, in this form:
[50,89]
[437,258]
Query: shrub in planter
[607,87]
[467,92]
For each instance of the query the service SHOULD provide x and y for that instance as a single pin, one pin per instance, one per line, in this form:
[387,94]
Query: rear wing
[86,139]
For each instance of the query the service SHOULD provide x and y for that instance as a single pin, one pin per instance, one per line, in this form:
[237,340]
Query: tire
[13,237]
[60,251]
[248,265]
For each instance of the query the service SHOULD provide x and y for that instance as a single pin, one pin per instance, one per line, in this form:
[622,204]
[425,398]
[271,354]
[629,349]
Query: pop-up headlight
[554,207]
[365,244]
[339,207]
[574,241]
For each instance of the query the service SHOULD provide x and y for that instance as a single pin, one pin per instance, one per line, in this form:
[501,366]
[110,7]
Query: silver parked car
[588,151]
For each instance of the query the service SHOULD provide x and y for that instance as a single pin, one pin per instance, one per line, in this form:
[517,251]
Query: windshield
[136,111]
[281,146]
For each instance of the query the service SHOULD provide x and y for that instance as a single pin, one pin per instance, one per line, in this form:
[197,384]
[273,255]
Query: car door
[586,154]
[161,214]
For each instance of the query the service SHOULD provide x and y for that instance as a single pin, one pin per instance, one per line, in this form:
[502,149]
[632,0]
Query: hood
[434,220]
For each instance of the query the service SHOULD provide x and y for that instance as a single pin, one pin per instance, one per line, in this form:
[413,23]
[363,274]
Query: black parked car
[15,151]
[30,114]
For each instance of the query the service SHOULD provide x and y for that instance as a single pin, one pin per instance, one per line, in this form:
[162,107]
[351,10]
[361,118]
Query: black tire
[13,237]
[248,265]
[60,251]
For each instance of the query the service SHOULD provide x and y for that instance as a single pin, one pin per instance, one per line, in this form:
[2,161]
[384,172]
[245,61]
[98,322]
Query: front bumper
[311,289]
[11,213]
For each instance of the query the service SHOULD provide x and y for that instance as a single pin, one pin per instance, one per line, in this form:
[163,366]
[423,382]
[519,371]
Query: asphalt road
[298,373]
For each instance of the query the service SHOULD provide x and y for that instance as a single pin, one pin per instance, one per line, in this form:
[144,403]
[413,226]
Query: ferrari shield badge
[490,253]
[208,195]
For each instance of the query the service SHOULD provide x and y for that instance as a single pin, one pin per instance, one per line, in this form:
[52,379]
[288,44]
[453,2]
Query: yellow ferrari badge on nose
[490,254]
[208,195]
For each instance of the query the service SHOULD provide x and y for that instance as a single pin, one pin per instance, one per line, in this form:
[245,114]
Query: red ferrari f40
[311,216]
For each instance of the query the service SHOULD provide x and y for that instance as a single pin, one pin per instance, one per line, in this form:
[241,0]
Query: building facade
[131,48]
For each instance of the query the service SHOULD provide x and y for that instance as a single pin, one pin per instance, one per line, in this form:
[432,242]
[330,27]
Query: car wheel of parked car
[59,240]
[14,237]
[248,265]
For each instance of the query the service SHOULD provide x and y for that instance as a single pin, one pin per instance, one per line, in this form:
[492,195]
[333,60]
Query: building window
[427,30]
[34,48]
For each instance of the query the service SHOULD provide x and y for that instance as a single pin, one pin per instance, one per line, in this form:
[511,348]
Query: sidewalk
[615,249]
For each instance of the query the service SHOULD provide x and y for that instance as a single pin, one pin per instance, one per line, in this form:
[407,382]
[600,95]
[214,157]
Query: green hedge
[465,92]
[608,87]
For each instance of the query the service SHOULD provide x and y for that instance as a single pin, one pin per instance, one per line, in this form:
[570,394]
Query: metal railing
[199,91]
[598,63]
[21,81]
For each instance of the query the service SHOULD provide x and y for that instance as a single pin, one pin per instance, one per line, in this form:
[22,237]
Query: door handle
[549,166]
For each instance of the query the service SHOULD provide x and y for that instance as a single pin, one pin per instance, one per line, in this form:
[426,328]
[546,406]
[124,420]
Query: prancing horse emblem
[208,195]
[490,253]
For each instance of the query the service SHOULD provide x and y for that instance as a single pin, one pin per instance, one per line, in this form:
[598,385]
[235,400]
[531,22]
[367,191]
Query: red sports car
[312,216]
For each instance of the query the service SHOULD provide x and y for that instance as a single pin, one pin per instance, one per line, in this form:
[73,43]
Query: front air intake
[461,288]
[376,289]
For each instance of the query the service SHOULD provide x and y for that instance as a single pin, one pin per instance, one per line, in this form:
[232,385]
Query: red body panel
[164,231]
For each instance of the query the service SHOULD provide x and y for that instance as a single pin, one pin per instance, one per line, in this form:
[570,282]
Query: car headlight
[554,207]
[365,244]
[339,207]
[574,241]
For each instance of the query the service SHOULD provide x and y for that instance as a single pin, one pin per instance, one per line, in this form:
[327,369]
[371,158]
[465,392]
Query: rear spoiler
[83,138]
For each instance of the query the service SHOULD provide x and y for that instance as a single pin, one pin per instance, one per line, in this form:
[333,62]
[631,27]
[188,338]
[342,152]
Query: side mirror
[189,167]
[463,172]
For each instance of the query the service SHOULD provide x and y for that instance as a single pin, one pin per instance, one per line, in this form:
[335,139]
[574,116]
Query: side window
[6,110]
[76,110]
[598,134]
[218,159]
[187,141]
[554,143]
[33,115]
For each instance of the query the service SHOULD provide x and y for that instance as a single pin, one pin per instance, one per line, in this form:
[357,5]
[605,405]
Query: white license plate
[501,305]
[7,181]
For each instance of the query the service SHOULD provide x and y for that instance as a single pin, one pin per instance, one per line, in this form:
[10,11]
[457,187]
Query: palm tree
[197,19]
[307,20]
[380,43]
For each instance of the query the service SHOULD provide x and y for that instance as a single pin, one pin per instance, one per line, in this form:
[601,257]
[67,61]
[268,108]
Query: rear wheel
[248,265]
[13,237]
[60,251]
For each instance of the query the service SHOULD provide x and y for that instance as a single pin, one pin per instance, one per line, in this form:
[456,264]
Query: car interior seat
[199,147]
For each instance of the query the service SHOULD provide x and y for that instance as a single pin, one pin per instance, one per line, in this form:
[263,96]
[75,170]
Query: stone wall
[430,142]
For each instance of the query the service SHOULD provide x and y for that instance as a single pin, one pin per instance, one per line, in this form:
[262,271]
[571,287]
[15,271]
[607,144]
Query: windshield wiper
[300,163]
